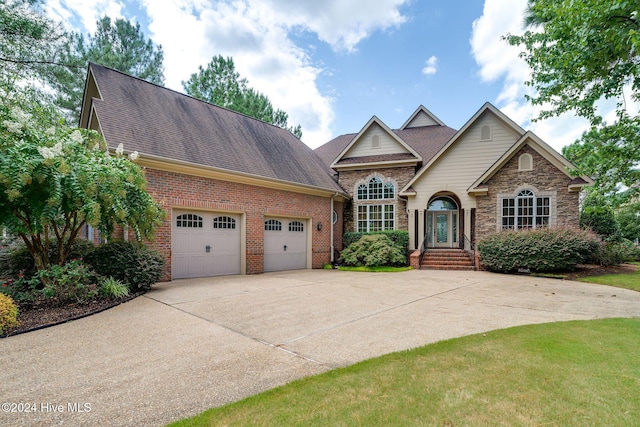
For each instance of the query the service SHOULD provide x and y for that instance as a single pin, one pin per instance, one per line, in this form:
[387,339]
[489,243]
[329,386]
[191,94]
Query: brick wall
[185,191]
[544,179]
[401,176]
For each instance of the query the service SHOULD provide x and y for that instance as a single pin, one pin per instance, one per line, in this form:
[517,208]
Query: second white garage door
[205,244]
[285,244]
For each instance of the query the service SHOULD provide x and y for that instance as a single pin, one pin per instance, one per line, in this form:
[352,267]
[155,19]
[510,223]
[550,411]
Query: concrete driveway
[192,344]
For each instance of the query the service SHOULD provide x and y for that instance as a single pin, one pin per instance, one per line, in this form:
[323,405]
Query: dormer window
[485,133]
[375,141]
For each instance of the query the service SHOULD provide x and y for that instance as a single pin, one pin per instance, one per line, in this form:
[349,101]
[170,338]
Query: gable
[422,117]
[374,146]
[539,158]
[375,141]
[469,153]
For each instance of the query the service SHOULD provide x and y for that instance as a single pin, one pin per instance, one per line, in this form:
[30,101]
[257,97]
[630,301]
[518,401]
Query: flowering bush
[54,180]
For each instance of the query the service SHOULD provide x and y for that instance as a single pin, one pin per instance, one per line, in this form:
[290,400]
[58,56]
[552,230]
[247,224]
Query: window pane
[375,217]
[189,221]
[296,226]
[375,188]
[224,222]
[273,225]
[362,192]
[389,214]
[389,190]
[362,218]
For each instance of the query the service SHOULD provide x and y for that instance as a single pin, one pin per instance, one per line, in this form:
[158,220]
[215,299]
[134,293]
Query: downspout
[331,227]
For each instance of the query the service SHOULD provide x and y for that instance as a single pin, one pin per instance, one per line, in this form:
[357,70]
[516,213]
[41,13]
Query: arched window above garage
[272,225]
[189,221]
[224,222]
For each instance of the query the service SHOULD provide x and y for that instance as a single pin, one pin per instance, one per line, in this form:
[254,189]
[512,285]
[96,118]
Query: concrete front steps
[446,259]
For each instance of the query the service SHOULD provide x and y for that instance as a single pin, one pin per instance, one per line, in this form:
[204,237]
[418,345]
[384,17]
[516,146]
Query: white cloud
[87,12]
[500,61]
[258,35]
[431,66]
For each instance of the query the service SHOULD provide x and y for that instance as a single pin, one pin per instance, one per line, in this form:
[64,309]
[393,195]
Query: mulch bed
[51,313]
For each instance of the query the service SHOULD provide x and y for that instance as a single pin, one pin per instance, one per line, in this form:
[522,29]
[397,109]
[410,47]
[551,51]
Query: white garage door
[285,244]
[205,244]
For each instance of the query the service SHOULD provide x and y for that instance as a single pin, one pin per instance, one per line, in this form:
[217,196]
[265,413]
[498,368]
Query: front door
[442,234]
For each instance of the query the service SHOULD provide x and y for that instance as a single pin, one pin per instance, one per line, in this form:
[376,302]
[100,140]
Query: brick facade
[544,180]
[350,179]
[185,191]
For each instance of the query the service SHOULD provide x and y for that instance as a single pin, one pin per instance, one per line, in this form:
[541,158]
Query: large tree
[29,42]
[55,179]
[585,57]
[219,83]
[117,44]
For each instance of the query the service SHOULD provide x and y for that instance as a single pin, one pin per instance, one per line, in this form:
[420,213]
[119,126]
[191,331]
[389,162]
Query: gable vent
[485,133]
[375,141]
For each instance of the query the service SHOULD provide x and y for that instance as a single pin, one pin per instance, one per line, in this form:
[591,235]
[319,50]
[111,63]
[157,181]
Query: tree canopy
[117,44]
[219,83]
[55,179]
[29,42]
[584,57]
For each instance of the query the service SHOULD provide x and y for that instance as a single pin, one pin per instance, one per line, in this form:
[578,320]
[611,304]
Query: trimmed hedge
[539,250]
[130,262]
[399,237]
[373,250]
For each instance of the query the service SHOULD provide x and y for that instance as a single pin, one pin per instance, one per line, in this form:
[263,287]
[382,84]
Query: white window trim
[552,195]
[383,220]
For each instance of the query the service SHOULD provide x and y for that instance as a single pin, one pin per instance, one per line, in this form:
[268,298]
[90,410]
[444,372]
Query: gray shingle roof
[425,140]
[157,121]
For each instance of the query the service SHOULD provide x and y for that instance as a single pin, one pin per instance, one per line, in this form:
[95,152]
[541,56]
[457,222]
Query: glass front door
[442,229]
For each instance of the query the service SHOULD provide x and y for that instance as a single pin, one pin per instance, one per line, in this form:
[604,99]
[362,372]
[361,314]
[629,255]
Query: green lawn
[627,281]
[560,374]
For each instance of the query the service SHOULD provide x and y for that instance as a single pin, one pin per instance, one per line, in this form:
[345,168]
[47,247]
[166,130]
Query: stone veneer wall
[401,176]
[545,179]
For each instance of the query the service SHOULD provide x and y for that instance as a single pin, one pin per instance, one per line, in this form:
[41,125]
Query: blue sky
[333,64]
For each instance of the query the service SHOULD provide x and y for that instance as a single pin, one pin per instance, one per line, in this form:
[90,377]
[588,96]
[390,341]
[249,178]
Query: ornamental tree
[55,179]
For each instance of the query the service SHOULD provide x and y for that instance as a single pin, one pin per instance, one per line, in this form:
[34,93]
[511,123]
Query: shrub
[537,250]
[8,313]
[21,261]
[373,250]
[616,252]
[23,289]
[600,219]
[72,282]
[130,262]
[398,237]
[113,288]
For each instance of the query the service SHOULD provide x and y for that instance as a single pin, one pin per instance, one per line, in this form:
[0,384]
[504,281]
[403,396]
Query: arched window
[272,225]
[189,221]
[526,211]
[375,188]
[389,190]
[362,192]
[525,162]
[442,204]
[224,222]
[296,226]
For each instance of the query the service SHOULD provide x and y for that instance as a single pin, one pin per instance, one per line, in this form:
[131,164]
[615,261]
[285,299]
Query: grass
[561,374]
[381,269]
[626,280]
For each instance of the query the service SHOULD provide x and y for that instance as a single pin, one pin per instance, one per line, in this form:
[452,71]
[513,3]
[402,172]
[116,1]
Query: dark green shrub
[72,282]
[373,250]
[599,219]
[20,260]
[398,237]
[616,252]
[537,250]
[130,262]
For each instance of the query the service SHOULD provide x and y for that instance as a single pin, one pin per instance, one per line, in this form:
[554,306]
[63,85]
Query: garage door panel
[285,247]
[205,244]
